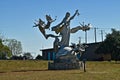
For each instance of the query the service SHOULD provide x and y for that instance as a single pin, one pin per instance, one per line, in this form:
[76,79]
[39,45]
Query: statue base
[65,62]
[63,66]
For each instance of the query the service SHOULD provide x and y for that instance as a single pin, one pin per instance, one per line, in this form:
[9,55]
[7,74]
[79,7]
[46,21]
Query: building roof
[83,44]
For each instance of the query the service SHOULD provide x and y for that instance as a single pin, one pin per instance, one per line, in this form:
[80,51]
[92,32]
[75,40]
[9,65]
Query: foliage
[15,46]
[9,47]
[27,55]
[111,45]
[14,57]
[39,57]
[4,51]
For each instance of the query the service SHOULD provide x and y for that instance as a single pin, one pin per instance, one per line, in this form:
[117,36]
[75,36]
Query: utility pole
[102,35]
[85,36]
[95,34]
[79,40]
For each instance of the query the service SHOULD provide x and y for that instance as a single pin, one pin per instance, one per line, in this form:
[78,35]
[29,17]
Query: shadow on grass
[37,71]
[23,71]
[2,72]
[29,70]
[79,73]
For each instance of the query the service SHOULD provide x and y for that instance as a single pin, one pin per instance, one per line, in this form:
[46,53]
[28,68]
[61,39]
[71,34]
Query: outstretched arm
[73,30]
[76,13]
[84,28]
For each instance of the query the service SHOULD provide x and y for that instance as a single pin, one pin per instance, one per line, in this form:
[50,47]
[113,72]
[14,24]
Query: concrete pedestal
[63,66]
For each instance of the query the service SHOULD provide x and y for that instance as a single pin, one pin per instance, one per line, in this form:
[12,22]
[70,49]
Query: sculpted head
[67,14]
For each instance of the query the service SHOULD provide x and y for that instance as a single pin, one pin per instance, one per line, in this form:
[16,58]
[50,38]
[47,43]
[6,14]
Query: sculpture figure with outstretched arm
[65,55]
[64,29]
[42,26]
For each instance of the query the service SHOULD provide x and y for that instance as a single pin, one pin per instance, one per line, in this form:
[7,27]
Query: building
[48,54]
[89,53]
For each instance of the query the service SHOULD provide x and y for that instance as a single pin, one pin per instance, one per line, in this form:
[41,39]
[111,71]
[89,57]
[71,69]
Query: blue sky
[18,16]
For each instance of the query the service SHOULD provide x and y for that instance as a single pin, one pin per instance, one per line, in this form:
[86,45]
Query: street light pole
[95,34]
[102,35]
[85,36]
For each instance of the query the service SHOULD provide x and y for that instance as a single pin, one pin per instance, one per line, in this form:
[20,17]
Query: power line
[95,33]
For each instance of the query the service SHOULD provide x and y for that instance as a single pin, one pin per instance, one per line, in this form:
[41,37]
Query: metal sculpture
[64,53]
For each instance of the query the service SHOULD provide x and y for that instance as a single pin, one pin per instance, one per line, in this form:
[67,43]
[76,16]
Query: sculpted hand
[77,12]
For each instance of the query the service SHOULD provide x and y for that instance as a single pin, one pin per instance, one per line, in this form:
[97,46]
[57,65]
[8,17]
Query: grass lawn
[37,70]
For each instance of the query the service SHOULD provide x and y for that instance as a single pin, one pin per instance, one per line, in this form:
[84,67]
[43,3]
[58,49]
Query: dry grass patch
[37,70]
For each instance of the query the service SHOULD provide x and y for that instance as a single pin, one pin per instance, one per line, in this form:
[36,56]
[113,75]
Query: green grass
[20,65]
[37,70]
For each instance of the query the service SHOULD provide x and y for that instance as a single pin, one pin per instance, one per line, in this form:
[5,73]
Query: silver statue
[63,28]
[66,56]
[61,47]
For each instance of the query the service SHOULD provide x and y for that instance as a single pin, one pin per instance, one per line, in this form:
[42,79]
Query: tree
[39,57]
[27,55]
[4,51]
[15,46]
[111,45]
